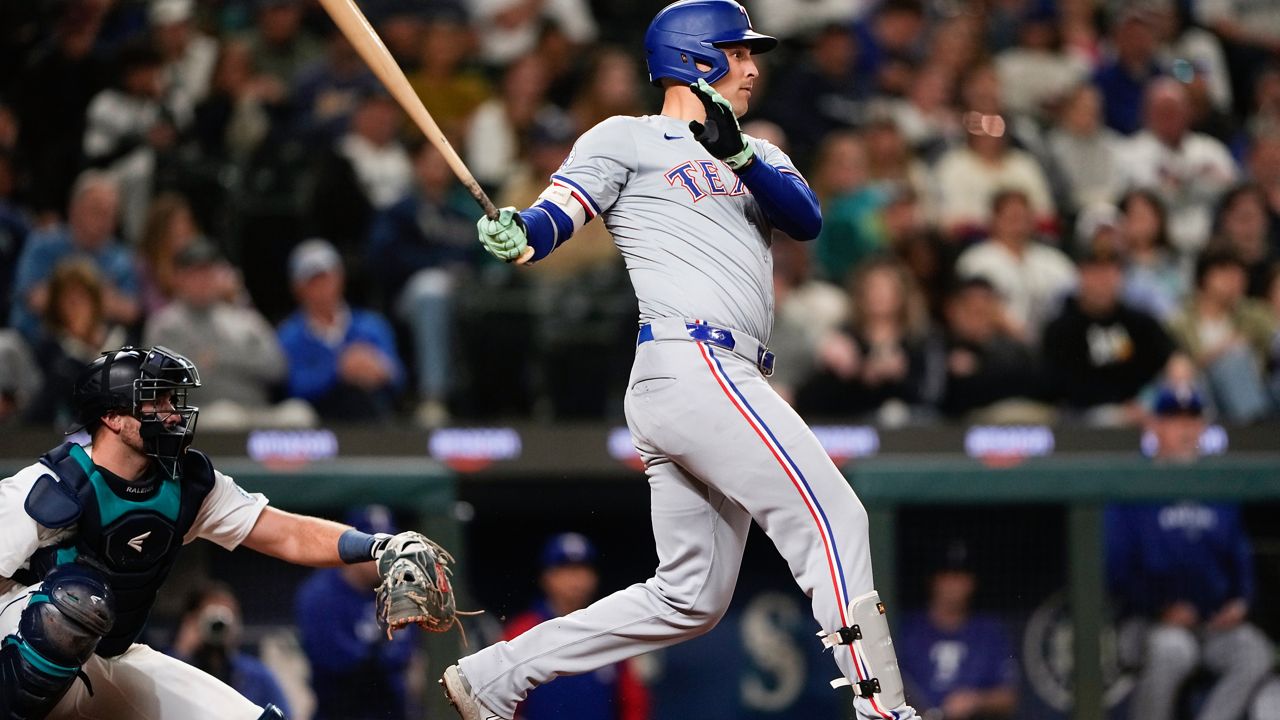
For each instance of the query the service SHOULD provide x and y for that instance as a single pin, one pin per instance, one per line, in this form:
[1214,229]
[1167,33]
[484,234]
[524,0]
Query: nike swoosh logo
[672,137]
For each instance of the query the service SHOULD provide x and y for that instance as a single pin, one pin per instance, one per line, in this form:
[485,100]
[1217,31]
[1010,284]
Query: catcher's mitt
[415,585]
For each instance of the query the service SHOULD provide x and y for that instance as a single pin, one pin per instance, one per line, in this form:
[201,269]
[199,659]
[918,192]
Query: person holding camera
[208,637]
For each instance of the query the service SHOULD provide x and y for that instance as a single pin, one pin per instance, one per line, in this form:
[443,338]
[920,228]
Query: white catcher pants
[721,449]
[139,684]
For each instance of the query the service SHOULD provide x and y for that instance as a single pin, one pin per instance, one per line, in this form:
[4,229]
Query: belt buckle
[765,361]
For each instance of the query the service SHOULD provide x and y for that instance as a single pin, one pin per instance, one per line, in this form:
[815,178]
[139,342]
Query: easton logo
[136,543]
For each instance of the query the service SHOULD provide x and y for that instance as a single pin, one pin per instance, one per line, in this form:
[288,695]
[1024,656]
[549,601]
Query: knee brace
[271,712]
[57,633]
[876,662]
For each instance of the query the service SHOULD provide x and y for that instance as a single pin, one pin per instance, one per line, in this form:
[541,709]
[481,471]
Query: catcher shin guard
[57,633]
[876,662]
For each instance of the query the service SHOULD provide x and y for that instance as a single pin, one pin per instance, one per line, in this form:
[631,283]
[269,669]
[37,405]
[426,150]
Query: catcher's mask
[150,385]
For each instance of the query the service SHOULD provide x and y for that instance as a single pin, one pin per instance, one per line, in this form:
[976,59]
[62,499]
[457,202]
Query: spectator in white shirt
[1084,150]
[1188,170]
[968,177]
[1030,276]
[189,55]
[508,29]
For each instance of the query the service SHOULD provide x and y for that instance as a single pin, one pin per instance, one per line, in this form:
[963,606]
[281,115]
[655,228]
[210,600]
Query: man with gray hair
[90,232]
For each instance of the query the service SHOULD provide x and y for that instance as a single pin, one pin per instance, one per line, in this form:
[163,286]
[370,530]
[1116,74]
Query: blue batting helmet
[691,31]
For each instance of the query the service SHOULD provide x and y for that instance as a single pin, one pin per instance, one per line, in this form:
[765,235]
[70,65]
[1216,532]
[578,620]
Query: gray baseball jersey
[721,448]
[695,242]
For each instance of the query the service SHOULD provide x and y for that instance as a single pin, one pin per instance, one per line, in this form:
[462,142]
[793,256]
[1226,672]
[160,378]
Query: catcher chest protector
[133,542]
[690,32]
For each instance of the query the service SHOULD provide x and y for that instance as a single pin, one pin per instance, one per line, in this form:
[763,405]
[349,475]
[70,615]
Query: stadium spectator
[19,377]
[819,93]
[988,368]
[1273,302]
[14,228]
[882,364]
[188,54]
[170,227]
[1037,74]
[851,229]
[1184,572]
[1131,66]
[1250,32]
[1192,53]
[1264,117]
[279,46]
[366,170]
[449,89]
[957,663]
[236,349]
[1032,277]
[807,312]
[1155,281]
[89,231]
[1188,170]
[1099,352]
[357,672]
[76,330]
[568,581]
[1243,227]
[419,247]
[610,87]
[1228,335]
[53,123]
[128,127]
[237,114]
[510,27]
[889,42]
[801,19]
[493,145]
[926,114]
[969,177]
[1264,169]
[209,637]
[327,92]
[342,360]
[892,165]
[1084,151]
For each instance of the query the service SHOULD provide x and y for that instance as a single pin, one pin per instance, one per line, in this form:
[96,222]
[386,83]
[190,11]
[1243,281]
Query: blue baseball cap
[372,519]
[1171,401]
[568,549]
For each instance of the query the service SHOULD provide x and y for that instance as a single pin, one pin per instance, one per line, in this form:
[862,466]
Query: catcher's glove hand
[415,585]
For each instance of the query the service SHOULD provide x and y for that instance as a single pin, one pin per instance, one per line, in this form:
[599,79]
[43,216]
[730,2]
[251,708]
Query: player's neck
[122,461]
[679,102]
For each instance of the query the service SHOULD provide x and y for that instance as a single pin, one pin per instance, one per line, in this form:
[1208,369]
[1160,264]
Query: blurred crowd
[1034,210]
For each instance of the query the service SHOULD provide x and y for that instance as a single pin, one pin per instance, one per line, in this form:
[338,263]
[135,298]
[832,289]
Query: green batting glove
[721,135]
[503,237]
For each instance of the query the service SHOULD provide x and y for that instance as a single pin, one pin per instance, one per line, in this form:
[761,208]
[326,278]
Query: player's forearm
[297,539]
[1000,702]
[787,200]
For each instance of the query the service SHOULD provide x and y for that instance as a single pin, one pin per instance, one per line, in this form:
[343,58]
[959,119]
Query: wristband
[357,547]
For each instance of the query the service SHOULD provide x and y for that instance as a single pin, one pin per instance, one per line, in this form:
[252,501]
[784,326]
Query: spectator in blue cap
[569,581]
[357,673]
[1183,573]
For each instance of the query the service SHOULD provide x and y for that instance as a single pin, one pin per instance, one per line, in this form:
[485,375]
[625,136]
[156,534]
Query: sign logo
[136,543]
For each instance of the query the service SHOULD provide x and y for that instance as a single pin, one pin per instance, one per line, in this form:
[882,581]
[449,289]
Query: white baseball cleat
[458,691]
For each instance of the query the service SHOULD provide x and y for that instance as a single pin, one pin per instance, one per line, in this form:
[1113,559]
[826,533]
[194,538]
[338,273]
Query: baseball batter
[89,533]
[691,203]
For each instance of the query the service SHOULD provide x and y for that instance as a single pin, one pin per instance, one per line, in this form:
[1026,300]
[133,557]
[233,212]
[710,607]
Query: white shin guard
[877,662]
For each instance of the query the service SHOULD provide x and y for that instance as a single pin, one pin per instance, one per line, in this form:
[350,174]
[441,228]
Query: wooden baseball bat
[356,28]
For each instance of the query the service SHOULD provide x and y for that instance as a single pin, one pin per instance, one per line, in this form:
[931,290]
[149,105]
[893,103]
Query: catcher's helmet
[690,31]
[123,380]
